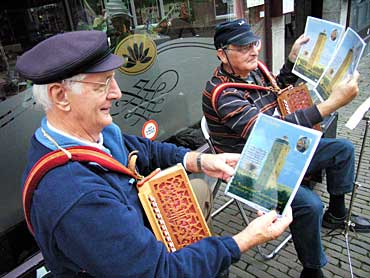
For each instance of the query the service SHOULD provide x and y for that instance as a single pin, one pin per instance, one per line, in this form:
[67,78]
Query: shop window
[224,9]
[26,24]
[147,12]
[23,26]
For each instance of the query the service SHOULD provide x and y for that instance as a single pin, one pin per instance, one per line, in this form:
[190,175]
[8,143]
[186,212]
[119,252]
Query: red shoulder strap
[58,158]
[217,90]
[268,74]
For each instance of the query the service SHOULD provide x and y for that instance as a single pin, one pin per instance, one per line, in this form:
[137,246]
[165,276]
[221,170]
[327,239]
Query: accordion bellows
[172,208]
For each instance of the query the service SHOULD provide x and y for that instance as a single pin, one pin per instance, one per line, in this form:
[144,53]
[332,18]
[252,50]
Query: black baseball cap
[65,55]
[236,32]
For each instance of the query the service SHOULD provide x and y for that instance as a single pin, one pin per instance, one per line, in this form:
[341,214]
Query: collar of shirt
[63,139]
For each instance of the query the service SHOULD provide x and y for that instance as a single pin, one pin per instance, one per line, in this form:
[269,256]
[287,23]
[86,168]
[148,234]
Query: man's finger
[288,215]
[225,168]
[355,76]
[304,39]
[270,217]
[232,157]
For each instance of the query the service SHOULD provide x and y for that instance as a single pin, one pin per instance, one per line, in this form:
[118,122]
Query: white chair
[206,134]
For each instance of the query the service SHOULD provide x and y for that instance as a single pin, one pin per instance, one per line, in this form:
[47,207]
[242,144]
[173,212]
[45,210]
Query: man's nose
[254,50]
[114,90]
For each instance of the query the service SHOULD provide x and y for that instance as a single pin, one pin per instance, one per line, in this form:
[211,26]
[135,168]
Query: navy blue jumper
[87,218]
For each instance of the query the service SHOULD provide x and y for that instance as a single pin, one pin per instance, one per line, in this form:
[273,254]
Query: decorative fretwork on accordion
[295,98]
[172,208]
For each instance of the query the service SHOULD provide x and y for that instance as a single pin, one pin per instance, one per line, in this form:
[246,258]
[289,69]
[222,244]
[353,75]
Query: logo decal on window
[139,53]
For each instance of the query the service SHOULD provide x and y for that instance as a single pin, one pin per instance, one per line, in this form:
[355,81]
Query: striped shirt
[237,110]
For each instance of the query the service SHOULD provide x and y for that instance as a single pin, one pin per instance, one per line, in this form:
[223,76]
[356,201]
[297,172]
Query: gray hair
[40,92]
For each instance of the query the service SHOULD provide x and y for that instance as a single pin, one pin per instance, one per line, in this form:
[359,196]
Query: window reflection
[224,8]
[25,23]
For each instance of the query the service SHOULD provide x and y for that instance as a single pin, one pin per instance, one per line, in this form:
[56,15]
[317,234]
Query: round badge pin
[150,130]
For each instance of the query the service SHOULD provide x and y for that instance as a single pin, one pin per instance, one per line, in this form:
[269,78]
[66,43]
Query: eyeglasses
[104,85]
[245,48]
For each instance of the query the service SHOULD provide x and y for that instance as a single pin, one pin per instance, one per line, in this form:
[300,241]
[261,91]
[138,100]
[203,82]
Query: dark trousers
[186,25]
[336,157]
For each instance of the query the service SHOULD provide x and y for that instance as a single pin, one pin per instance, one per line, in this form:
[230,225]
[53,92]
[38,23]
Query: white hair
[40,92]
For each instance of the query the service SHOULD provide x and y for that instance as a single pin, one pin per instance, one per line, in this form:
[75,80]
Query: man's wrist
[193,162]
[325,108]
[292,58]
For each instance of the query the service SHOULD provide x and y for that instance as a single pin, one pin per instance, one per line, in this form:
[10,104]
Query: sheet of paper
[359,114]
[316,54]
[343,64]
[272,164]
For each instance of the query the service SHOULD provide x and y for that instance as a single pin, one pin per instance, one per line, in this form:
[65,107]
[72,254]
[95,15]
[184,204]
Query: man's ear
[222,56]
[58,96]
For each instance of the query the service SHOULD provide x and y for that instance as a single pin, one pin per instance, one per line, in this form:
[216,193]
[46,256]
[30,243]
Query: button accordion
[172,208]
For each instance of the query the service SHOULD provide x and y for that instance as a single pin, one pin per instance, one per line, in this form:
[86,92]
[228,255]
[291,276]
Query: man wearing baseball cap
[87,219]
[231,119]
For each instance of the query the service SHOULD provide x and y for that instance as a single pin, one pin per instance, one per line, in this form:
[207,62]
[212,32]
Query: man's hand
[262,229]
[296,47]
[342,93]
[214,165]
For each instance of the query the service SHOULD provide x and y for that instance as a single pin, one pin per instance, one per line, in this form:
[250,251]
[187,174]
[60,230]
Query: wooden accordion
[172,208]
[294,98]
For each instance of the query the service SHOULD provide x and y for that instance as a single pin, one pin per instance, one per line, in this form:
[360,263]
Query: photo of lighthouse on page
[272,164]
[315,55]
[344,62]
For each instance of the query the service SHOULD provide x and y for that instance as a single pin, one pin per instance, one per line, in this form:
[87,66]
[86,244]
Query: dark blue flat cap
[236,32]
[65,55]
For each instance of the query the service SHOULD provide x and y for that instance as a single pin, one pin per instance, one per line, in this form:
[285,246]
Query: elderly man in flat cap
[87,220]
[231,119]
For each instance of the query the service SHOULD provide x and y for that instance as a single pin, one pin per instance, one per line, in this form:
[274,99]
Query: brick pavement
[285,263]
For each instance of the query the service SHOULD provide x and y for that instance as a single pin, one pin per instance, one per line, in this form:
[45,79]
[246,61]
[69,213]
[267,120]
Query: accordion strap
[217,90]
[58,158]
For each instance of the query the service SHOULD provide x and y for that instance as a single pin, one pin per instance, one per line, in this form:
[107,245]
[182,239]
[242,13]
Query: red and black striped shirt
[237,110]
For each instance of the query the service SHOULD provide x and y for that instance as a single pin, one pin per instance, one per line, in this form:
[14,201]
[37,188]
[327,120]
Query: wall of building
[335,11]
[278,40]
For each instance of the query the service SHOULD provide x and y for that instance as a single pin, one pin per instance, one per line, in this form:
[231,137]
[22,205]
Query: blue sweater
[89,219]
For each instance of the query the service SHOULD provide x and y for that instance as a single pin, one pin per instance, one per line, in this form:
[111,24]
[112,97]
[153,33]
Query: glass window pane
[224,8]
[22,26]
[175,49]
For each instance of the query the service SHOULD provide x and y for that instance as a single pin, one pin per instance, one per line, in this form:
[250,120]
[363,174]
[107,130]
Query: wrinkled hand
[296,47]
[262,229]
[345,91]
[214,165]
[342,93]
[220,165]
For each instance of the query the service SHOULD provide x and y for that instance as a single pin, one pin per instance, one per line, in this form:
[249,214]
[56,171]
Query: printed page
[316,54]
[359,114]
[344,63]
[272,164]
